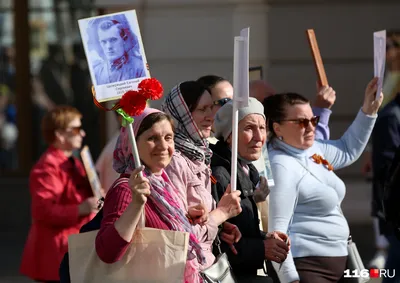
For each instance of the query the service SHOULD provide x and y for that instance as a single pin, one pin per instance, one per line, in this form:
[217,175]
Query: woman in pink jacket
[190,105]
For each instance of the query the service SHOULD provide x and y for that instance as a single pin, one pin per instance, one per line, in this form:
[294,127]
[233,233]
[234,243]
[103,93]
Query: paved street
[14,206]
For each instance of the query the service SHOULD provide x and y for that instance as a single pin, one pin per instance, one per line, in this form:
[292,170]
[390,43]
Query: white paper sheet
[240,92]
[379,58]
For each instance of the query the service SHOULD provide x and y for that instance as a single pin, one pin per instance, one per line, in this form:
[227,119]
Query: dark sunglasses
[221,101]
[74,130]
[303,123]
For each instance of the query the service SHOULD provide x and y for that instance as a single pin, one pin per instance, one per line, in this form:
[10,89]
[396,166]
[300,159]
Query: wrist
[368,112]
[364,111]
[138,201]
[220,215]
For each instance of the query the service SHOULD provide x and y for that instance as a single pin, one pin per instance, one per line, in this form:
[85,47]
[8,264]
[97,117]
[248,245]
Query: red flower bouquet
[133,103]
[151,88]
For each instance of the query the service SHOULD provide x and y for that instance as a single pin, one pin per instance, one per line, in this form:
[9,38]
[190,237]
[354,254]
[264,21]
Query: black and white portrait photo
[114,51]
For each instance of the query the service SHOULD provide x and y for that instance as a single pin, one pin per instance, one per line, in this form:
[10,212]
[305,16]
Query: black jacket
[385,141]
[250,248]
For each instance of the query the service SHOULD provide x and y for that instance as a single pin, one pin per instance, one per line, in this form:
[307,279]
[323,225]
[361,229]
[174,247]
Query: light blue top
[318,228]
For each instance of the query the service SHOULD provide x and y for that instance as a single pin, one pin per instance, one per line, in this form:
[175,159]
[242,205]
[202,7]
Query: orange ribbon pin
[320,160]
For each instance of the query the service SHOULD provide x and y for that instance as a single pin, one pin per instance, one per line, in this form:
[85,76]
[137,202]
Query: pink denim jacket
[193,183]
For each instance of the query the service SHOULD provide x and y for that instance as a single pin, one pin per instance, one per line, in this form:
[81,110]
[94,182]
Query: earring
[280,138]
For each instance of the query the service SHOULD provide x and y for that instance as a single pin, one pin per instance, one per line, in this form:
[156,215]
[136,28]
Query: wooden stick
[319,66]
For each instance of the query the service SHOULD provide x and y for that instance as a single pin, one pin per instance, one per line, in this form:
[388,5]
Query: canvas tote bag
[154,256]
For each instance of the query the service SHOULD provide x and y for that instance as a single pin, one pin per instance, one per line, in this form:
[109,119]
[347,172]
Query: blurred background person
[385,141]
[392,74]
[391,87]
[8,112]
[54,76]
[62,199]
[81,86]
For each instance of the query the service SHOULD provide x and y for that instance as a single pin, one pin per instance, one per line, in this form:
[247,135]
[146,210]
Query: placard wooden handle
[319,66]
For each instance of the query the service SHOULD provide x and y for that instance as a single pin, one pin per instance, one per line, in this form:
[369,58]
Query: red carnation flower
[151,88]
[133,103]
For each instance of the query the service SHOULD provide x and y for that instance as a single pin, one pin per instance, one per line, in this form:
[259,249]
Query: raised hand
[325,98]
[371,105]
[229,204]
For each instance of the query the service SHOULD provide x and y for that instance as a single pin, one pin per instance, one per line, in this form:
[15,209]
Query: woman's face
[203,114]
[392,50]
[221,91]
[295,130]
[71,138]
[252,135]
[156,146]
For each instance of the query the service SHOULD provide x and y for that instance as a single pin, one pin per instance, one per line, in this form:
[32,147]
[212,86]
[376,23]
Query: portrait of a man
[119,58]
[115,53]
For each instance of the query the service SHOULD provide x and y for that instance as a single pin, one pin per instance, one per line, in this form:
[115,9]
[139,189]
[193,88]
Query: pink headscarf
[163,193]
[123,158]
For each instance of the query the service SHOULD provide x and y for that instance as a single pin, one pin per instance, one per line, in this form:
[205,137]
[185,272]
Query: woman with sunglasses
[62,200]
[221,92]
[305,201]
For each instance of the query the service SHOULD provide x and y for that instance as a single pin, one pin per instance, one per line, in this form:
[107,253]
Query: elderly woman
[305,201]
[190,104]
[155,193]
[254,247]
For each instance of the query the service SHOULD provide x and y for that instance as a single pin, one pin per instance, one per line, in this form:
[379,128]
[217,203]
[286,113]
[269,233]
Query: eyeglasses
[74,130]
[303,123]
[222,101]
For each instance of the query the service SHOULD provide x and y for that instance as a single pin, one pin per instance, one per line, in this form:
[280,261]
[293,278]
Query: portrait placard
[115,53]
[91,171]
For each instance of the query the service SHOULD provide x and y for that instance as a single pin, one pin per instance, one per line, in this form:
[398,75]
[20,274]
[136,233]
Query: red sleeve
[46,189]
[110,246]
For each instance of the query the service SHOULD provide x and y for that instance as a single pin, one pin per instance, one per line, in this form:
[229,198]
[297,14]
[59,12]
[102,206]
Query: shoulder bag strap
[217,241]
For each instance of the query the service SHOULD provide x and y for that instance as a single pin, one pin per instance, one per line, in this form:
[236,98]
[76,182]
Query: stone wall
[187,39]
